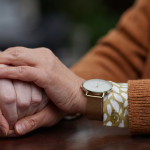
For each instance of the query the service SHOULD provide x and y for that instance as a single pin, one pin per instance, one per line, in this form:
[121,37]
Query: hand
[43,68]
[49,116]
[17,100]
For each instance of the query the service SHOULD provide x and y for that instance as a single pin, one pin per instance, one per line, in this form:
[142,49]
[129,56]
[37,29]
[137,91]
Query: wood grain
[79,134]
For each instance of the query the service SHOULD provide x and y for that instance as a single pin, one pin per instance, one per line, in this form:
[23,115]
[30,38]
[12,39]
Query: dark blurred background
[68,27]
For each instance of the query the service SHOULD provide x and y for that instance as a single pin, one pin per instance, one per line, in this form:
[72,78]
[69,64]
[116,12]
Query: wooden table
[79,134]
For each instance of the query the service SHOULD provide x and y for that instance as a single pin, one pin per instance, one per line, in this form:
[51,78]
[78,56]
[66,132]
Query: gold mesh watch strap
[95,108]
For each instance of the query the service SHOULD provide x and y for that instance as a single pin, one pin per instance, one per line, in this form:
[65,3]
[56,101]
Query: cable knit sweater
[123,55]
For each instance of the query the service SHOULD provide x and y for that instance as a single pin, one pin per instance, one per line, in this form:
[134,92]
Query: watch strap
[95,108]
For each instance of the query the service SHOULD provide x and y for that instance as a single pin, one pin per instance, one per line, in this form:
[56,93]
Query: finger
[4,126]
[11,133]
[23,94]
[45,100]
[18,56]
[24,73]
[8,101]
[36,99]
[4,85]
[49,116]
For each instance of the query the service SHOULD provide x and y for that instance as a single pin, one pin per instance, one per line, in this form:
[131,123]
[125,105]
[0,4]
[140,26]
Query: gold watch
[95,90]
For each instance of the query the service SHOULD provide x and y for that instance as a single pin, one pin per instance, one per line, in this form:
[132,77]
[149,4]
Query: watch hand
[101,84]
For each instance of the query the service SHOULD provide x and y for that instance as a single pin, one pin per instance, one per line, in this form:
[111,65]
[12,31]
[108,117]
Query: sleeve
[121,54]
[139,106]
[115,106]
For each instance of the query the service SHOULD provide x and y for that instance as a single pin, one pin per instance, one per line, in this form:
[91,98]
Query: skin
[60,84]
[17,100]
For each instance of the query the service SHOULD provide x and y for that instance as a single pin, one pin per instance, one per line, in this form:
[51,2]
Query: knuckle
[8,99]
[22,70]
[15,51]
[31,122]
[36,100]
[7,71]
[23,105]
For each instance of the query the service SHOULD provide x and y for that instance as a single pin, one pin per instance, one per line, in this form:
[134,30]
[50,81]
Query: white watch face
[97,85]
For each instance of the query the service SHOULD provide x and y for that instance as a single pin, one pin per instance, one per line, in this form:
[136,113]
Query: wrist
[81,99]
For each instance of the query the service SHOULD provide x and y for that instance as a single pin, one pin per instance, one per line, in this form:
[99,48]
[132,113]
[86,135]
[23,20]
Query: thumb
[30,123]
[49,116]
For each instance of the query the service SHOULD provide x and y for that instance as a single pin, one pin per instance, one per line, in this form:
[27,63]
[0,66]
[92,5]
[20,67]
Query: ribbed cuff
[139,106]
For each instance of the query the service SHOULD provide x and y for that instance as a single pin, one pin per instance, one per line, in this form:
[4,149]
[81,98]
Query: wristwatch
[95,90]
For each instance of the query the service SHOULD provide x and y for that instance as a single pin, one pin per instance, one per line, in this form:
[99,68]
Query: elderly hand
[43,68]
[17,100]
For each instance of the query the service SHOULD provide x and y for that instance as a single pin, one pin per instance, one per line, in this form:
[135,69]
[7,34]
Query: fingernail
[20,128]
[3,130]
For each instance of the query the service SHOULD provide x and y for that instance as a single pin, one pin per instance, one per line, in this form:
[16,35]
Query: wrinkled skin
[43,68]
[17,100]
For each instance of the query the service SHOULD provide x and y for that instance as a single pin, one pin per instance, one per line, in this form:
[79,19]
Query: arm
[121,54]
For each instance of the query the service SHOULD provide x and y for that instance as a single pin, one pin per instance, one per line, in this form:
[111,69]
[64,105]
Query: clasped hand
[17,100]
[41,67]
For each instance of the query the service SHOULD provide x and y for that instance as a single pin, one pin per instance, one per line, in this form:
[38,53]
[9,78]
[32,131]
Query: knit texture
[139,106]
[124,53]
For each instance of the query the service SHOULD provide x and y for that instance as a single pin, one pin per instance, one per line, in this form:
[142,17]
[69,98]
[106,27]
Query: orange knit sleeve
[120,55]
[139,106]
